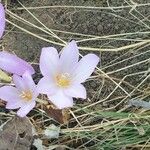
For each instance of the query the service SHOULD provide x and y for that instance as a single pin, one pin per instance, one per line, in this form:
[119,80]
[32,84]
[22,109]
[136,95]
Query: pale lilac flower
[63,75]
[13,64]
[2,20]
[22,96]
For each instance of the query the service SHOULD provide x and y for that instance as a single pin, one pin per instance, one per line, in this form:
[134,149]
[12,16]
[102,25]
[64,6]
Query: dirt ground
[94,22]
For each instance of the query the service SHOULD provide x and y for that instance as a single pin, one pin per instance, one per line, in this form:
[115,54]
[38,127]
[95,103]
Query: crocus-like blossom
[2,20]
[22,96]
[63,75]
[13,64]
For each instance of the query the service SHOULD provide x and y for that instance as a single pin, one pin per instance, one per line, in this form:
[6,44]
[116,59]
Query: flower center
[26,95]
[63,80]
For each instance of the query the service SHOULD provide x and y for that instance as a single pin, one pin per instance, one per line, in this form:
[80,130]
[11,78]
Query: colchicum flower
[22,96]
[13,64]
[62,76]
[2,20]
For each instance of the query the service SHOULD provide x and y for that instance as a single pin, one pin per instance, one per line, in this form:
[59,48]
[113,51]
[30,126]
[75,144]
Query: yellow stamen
[63,80]
[26,95]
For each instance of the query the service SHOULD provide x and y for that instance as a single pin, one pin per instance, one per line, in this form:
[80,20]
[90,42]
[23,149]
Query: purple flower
[14,64]
[63,75]
[2,20]
[22,96]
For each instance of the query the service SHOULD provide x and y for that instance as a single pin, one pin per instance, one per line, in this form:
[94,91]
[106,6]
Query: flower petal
[2,20]
[9,93]
[60,100]
[77,91]
[85,68]
[69,57]
[46,86]
[14,64]
[29,81]
[25,83]
[24,110]
[19,83]
[14,105]
[49,61]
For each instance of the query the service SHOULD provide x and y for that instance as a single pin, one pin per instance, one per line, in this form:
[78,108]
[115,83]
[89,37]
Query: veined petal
[14,105]
[46,86]
[9,93]
[49,61]
[14,64]
[77,91]
[85,68]
[69,57]
[25,109]
[2,20]
[60,100]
